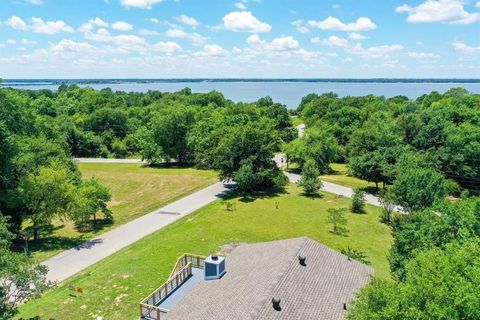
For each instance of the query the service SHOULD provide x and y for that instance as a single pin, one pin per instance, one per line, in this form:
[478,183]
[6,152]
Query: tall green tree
[418,188]
[336,216]
[20,278]
[358,201]
[310,181]
[251,148]
[91,198]
[439,284]
[435,227]
[168,134]
[316,144]
[47,193]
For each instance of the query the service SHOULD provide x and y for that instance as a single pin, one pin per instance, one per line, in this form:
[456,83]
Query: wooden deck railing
[196,260]
[180,273]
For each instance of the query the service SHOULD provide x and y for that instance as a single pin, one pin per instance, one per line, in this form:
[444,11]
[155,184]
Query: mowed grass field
[340,176]
[114,286]
[135,189]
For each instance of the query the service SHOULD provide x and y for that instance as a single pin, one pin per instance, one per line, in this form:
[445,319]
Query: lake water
[288,93]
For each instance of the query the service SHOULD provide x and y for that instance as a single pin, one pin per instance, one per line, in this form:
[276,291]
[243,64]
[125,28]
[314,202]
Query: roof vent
[344,306]
[214,267]
[302,259]
[276,304]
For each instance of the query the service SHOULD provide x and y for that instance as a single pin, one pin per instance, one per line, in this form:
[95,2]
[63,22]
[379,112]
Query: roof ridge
[278,279]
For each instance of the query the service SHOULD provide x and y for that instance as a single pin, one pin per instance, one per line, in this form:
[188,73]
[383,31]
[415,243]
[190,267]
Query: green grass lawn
[135,190]
[114,286]
[340,176]
[296,120]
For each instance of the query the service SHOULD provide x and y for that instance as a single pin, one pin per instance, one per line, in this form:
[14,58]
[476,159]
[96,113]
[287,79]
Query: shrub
[358,201]
[336,216]
[356,255]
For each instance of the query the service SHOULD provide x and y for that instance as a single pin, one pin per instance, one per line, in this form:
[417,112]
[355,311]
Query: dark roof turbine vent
[276,304]
[302,259]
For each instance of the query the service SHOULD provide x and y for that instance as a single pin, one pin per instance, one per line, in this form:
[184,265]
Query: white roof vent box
[214,267]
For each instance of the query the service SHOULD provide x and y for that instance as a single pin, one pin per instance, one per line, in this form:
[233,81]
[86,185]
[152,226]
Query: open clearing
[135,189]
[340,176]
[114,286]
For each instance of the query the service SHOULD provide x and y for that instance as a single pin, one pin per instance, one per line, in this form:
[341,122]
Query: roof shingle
[256,273]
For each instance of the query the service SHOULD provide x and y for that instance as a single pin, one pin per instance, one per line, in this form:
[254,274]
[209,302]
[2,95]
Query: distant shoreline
[28,82]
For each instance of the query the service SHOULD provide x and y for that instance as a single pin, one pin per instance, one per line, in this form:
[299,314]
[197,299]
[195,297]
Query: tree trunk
[94,217]
[376,185]
[35,233]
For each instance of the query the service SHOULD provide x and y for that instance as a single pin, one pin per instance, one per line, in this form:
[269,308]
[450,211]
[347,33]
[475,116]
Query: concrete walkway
[68,263]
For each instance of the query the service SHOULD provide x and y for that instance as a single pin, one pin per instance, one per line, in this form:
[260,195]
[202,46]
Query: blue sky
[239,38]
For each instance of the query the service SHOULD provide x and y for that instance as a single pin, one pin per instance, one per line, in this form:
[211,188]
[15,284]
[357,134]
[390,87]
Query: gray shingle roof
[258,272]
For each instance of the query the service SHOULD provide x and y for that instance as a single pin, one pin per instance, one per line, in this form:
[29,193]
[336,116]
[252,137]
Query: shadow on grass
[341,233]
[371,190]
[312,196]
[170,165]
[93,226]
[294,170]
[49,243]
[232,193]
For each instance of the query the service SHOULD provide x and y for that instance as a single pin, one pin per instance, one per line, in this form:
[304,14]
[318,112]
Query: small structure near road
[286,279]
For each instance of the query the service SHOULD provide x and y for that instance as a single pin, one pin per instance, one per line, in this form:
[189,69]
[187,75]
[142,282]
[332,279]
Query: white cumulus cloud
[245,21]
[382,51]
[335,24]
[92,23]
[146,32]
[16,23]
[444,11]
[422,55]
[167,46]
[122,26]
[176,33]
[195,38]
[299,24]
[189,21]
[49,27]
[35,2]
[465,49]
[141,4]
[240,5]
[212,50]
[277,44]
[332,42]
[356,36]
[67,45]
[284,43]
